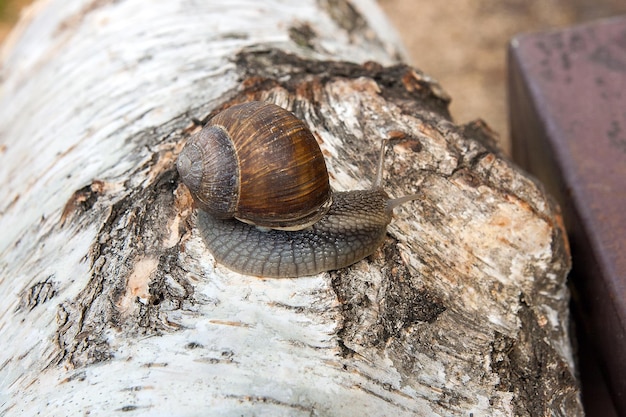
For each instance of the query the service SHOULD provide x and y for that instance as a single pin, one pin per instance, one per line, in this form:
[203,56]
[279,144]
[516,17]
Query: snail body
[352,229]
[324,231]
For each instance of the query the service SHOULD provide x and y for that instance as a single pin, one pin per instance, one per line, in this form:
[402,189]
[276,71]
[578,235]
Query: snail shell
[257,163]
[260,164]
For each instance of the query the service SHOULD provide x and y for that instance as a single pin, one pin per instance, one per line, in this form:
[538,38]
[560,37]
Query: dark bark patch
[303,35]
[82,200]
[135,228]
[482,133]
[525,366]
[345,15]
[38,294]
[407,87]
[400,300]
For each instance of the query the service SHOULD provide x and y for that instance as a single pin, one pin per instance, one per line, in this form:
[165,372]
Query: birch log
[112,305]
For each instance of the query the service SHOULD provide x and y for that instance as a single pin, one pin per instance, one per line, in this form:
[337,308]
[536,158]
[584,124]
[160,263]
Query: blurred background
[9,13]
[462,43]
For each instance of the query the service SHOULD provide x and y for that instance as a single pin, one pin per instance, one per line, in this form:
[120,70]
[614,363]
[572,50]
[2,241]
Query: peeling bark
[113,304]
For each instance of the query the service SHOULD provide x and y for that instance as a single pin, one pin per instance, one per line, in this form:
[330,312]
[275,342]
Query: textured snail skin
[353,228]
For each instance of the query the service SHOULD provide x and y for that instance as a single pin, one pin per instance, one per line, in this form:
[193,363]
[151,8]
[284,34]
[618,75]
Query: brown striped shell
[258,163]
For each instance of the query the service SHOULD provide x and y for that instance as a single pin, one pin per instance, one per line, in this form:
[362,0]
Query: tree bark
[113,304]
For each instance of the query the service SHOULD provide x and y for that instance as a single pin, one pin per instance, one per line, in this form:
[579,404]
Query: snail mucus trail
[259,180]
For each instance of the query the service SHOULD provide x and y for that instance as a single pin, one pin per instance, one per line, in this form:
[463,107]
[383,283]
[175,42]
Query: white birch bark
[111,304]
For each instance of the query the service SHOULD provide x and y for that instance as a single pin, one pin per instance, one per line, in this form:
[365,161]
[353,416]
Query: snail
[266,208]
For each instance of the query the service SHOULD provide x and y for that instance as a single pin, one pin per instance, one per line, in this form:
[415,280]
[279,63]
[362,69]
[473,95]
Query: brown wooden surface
[568,122]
